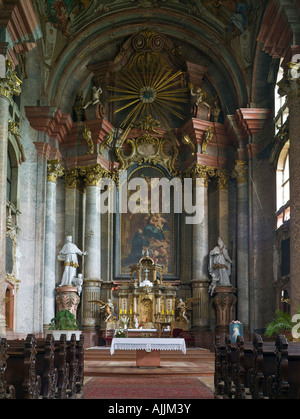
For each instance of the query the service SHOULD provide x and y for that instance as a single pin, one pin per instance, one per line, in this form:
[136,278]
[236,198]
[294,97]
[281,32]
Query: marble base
[67,298]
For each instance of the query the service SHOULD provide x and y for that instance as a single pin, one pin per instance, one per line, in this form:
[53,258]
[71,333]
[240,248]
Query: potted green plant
[281,325]
[64,323]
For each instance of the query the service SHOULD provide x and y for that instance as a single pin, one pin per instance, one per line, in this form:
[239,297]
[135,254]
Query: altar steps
[196,362]
[102,353]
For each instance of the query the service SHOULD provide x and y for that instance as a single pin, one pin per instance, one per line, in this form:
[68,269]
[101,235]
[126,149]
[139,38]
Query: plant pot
[57,333]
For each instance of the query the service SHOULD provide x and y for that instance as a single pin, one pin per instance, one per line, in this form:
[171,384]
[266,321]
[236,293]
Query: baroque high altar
[145,117]
[111,112]
[146,301]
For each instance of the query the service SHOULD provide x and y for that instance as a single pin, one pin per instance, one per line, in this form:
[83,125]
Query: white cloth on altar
[148,344]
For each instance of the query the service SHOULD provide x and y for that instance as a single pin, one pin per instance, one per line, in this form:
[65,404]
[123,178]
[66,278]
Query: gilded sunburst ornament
[149,88]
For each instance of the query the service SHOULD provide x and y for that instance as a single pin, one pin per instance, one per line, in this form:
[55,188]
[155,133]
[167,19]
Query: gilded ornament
[71,178]
[223,178]
[187,140]
[14,128]
[87,135]
[207,137]
[54,170]
[240,171]
[11,84]
[147,86]
[92,175]
[148,149]
[201,172]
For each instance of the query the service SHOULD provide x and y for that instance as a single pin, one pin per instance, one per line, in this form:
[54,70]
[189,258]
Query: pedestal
[225,301]
[67,299]
[148,359]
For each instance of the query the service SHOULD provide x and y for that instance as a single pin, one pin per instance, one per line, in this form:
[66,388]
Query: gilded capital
[202,173]
[93,174]
[223,178]
[71,178]
[54,170]
[240,171]
[10,85]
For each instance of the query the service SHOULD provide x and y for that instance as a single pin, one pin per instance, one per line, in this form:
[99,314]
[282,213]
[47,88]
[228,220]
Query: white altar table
[148,349]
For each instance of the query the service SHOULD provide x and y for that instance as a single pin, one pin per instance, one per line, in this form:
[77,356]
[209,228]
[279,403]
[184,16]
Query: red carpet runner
[146,388]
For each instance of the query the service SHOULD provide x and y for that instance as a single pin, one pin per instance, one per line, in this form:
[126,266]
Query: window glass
[9,178]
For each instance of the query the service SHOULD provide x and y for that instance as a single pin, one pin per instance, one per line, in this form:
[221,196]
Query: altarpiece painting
[156,233]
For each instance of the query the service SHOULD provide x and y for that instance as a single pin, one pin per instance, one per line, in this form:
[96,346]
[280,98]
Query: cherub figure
[199,95]
[213,284]
[182,307]
[96,93]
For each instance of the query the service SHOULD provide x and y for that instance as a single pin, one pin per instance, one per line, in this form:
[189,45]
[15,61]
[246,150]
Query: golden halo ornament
[149,88]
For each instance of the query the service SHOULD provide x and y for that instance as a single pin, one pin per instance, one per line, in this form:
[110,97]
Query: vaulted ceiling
[219,37]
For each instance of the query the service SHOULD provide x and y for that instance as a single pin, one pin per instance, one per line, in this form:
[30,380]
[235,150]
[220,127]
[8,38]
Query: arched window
[9,178]
[283,185]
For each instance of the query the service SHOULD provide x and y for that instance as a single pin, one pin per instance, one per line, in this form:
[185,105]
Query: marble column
[9,85]
[200,250]
[93,233]
[54,171]
[242,245]
[92,264]
[223,214]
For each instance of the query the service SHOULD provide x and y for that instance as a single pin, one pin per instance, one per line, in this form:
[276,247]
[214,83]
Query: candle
[125,311]
[163,312]
[130,311]
[167,311]
[120,311]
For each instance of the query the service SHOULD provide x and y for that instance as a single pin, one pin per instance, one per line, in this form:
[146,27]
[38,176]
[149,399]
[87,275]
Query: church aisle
[189,376]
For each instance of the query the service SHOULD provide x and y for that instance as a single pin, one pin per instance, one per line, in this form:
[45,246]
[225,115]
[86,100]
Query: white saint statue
[68,254]
[220,265]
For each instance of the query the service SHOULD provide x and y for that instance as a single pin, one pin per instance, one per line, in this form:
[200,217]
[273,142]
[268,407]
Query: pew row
[42,368]
[257,369]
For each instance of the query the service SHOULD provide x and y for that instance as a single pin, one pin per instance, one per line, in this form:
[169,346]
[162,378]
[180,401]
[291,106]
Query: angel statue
[96,93]
[182,307]
[199,95]
[107,307]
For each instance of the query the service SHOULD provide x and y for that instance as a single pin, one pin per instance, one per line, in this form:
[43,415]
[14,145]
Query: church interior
[149,170]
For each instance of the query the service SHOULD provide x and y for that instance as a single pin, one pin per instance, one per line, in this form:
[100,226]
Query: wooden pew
[69,361]
[264,366]
[62,366]
[45,366]
[219,359]
[21,368]
[73,367]
[227,367]
[244,363]
[80,359]
[6,391]
[285,383]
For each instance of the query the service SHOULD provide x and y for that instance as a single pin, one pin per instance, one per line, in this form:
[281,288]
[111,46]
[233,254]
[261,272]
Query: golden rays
[149,88]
